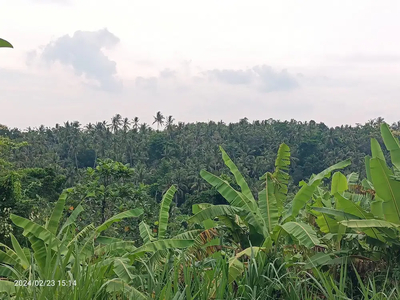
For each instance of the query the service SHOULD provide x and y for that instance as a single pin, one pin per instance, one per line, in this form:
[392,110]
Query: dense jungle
[249,210]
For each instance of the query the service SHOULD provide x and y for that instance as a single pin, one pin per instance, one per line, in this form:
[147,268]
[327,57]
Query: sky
[336,62]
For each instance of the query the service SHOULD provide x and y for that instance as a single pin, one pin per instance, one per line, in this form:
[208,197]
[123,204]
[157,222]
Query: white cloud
[83,52]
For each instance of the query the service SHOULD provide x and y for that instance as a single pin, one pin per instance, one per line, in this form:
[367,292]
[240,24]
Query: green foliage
[164,211]
[109,189]
[339,183]
[68,257]
[268,204]
[5,44]
[264,220]
[122,233]
[303,233]
[175,155]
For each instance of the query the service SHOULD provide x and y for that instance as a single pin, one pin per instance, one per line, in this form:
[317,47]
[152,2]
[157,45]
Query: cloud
[53,1]
[149,83]
[168,73]
[263,77]
[196,98]
[172,79]
[83,52]
[369,58]
[232,76]
[327,82]
[270,80]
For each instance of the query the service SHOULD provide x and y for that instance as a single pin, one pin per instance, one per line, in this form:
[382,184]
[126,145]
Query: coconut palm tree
[126,125]
[170,121]
[135,123]
[116,122]
[244,121]
[89,127]
[159,119]
[379,121]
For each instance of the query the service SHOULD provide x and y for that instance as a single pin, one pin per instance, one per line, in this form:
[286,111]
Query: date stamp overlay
[44,283]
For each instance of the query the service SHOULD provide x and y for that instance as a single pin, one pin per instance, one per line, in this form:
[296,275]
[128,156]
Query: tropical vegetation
[262,210]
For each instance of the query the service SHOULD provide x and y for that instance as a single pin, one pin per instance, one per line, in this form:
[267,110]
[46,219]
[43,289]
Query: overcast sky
[336,62]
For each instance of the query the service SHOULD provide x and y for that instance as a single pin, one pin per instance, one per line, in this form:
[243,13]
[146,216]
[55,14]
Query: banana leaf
[164,211]
[126,214]
[234,197]
[268,204]
[339,183]
[239,179]
[197,208]
[371,223]
[5,44]
[303,233]
[145,232]
[55,218]
[386,189]
[282,164]
[392,144]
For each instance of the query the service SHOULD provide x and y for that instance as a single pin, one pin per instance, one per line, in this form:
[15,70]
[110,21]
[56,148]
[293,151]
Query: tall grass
[181,278]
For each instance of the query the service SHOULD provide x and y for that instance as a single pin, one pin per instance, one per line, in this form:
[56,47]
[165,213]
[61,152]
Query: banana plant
[386,185]
[192,240]
[381,220]
[154,251]
[266,219]
[56,251]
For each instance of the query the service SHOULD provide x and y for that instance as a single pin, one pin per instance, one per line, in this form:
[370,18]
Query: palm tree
[379,121]
[125,125]
[89,127]
[135,122]
[159,119]
[104,124]
[170,124]
[170,121]
[116,122]
[395,125]
[244,121]
[370,123]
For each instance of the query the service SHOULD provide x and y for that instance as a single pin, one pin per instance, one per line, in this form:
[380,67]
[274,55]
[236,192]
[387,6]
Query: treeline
[176,153]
